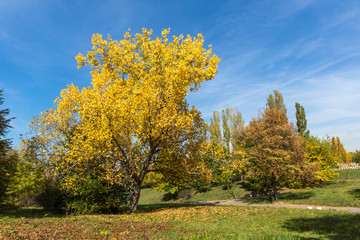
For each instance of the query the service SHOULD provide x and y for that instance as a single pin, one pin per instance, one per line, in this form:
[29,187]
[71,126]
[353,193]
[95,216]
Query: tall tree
[7,164]
[134,118]
[226,130]
[4,127]
[215,129]
[276,101]
[339,151]
[236,125]
[275,153]
[301,121]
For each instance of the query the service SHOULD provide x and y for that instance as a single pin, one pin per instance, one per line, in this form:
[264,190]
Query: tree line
[132,127]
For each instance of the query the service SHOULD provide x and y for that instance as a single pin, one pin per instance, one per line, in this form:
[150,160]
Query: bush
[355,156]
[97,196]
[52,198]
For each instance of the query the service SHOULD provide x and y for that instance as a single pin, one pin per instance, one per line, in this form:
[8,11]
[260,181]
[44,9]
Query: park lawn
[184,222]
[344,191]
[151,196]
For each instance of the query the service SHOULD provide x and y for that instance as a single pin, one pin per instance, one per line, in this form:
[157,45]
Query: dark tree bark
[135,196]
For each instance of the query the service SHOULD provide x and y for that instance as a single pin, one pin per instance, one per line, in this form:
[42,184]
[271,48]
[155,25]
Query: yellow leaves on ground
[186,214]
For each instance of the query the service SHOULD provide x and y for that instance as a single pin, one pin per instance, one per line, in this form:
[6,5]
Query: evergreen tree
[6,162]
[4,127]
[276,101]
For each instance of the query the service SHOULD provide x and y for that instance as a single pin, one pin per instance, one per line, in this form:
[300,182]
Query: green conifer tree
[6,162]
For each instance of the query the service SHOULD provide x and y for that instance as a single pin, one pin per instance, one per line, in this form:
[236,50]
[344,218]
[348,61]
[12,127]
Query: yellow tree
[339,151]
[320,152]
[134,118]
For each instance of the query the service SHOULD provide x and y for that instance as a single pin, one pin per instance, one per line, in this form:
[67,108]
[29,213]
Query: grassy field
[344,191]
[184,222]
[161,218]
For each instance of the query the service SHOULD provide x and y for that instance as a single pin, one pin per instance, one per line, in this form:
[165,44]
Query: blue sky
[307,50]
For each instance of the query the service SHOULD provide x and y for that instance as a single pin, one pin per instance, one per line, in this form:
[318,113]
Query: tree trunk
[274,195]
[135,196]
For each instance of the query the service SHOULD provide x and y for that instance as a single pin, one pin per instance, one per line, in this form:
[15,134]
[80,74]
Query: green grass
[344,191]
[161,218]
[184,222]
[151,196]
[350,174]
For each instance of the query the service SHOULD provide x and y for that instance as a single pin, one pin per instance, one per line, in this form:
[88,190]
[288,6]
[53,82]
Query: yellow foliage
[134,112]
[339,151]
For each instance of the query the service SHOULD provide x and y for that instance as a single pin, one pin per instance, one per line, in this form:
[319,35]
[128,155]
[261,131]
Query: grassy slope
[343,191]
[184,222]
[150,196]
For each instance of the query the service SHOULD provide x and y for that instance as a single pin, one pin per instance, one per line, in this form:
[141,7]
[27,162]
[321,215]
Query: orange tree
[275,153]
[133,119]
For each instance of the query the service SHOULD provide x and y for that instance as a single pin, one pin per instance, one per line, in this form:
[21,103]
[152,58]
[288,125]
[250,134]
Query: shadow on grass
[37,213]
[168,197]
[355,192]
[296,195]
[259,200]
[329,227]
[28,213]
[285,196]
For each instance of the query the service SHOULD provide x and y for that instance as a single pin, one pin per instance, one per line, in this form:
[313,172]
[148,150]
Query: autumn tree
[320,152]
[236,126]
[274,151]
[276,101]
[339,151]
[134,118]
[232,124]
[226,168]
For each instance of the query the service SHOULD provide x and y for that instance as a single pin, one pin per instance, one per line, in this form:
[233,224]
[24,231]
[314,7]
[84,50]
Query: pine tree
[4,127]
[6,162]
